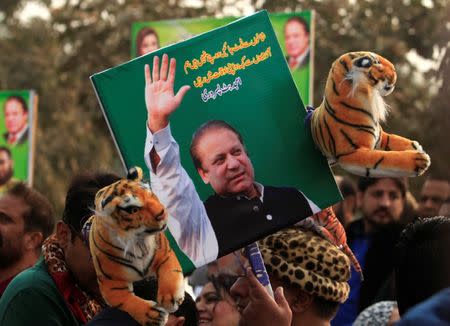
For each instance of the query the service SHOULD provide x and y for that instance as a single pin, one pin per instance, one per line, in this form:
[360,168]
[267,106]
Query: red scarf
[81,304]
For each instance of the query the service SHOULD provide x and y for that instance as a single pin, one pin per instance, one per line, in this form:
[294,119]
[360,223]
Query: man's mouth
[237,176]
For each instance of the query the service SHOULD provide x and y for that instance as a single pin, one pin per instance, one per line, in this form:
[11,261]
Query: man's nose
[232,162]
[385,200]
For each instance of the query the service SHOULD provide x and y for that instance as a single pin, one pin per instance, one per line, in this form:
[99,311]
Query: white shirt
[188,222]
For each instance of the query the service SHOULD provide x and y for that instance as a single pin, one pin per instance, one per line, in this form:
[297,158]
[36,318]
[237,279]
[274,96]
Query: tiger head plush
[346,125]
[131,205]
[127,245]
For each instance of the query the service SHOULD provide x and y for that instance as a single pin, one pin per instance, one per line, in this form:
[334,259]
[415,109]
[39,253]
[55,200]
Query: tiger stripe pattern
[346,125]
[127,244]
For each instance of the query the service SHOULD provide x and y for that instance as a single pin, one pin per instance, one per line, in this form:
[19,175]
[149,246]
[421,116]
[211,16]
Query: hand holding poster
[237,74]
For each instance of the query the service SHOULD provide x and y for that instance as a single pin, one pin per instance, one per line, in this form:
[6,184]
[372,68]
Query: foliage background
[56,54]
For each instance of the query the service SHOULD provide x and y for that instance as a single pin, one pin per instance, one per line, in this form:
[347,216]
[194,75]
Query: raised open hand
[160,99]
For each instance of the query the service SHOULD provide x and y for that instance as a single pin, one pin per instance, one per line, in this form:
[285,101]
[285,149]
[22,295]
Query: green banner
[239,74]
[294,31]
[18,113]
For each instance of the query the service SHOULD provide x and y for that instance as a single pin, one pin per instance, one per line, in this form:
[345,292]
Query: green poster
[18,113]
[239,74]
[294,31]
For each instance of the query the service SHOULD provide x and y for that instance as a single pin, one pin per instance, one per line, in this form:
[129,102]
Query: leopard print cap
[304,259]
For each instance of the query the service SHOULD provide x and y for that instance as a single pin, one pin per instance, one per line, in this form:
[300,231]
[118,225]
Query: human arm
[189,223]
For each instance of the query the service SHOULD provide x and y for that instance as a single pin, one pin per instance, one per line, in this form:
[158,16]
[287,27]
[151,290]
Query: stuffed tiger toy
[346,125]
[127,244]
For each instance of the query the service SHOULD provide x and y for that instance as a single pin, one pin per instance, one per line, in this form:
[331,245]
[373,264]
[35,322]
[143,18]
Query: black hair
[299,20]
[39,216]
[422,261]
[6,150]
[18,99]
[80,197]
[204,129]
[364,183]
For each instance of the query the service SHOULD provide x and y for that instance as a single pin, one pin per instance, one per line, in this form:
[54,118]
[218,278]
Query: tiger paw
[416,146]
[171,302]
[422,161]
[157,316]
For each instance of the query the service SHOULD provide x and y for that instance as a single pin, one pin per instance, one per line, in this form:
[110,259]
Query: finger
[155,68]
[181,92]
[172,68]
[280,299]
[148,80]
[257,290]
[164,66]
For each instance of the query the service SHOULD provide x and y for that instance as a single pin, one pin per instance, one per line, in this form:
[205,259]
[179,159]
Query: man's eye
[5,218]
[219,161]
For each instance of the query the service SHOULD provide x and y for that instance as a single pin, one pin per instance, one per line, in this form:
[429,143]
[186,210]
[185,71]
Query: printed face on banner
[15,113]
[242,92]
[294,33]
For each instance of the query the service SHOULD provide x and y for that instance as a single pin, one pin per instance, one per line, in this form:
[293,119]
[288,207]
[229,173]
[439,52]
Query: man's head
[6,165]
[78,208]
[296,35]
[313,272]
[434,193]
[345,209]
[422,261]
[26,219]
[16,114]
[220,157]
[381,200]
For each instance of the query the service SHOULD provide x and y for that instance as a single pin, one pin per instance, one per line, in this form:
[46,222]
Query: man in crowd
[217,227]
[26,219]
[6,170]
[16,120]
[435,191]
[61,289]
[296,37]
[422,263]
[372,239]
[312,272]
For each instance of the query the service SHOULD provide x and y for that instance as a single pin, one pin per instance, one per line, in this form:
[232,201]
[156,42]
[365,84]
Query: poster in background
[237,73]
[17,125]
[294,31]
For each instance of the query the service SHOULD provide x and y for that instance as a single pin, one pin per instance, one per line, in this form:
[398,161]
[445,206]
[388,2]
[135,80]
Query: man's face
[225,164]
[15,116]
[296,38]
[432,196]
[12,230]
[382,202]
[78,258]
[6,167]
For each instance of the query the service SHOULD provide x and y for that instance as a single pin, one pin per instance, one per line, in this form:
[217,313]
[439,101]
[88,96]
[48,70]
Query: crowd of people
[47,276]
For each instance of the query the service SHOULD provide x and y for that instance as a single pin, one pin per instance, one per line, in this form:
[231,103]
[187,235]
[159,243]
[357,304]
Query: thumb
[279,297]
[180,321]
[181,92]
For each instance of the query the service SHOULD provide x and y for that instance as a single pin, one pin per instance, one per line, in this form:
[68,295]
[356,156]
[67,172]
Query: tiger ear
[135,173]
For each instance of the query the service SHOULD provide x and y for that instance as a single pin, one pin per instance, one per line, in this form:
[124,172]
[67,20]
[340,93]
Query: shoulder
[34,282]
[32,298]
